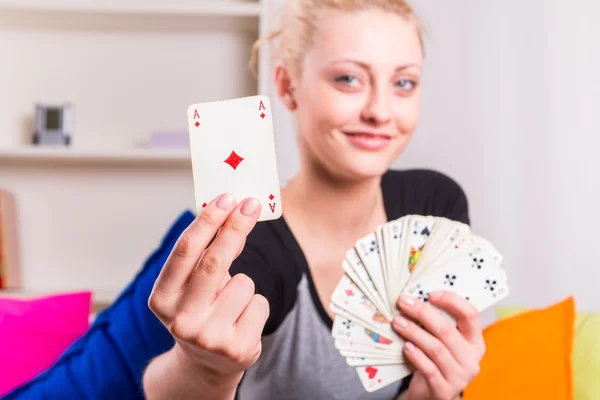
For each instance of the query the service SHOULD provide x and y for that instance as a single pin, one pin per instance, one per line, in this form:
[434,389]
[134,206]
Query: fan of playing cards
[413,255]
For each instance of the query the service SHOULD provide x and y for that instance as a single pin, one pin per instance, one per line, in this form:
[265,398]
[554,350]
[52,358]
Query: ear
[283,84]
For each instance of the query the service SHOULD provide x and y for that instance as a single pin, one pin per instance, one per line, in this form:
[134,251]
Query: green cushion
[586,351]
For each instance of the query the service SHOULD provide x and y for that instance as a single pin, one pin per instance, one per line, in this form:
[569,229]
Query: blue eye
[348,79]
[403,83]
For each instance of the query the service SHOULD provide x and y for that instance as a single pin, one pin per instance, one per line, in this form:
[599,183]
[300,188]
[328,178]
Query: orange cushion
[528,356]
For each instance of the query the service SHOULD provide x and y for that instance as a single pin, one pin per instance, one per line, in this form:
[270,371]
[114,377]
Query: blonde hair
[298,19]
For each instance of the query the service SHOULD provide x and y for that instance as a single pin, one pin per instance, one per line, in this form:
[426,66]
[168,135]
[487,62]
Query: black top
[274,260]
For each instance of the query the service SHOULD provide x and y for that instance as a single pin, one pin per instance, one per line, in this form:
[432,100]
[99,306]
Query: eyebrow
[368,67]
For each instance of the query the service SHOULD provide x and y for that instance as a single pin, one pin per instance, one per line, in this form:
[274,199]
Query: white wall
[508,112]
[509,92]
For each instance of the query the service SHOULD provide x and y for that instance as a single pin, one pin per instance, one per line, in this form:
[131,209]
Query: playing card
[469,248]
[356,348]
[375,327]
[413,255]
[383,254]
[434,243]
[446,233]
[368,251]
[480,282]
[374,377]
[371,353]
[416,234]
[348,348]
[233,150]
[392,237]
[345,328]
[398,273]
[348,298]
[488,248]
[364,361]
[355,269]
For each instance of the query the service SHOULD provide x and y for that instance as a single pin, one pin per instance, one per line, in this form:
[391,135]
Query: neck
[352,207]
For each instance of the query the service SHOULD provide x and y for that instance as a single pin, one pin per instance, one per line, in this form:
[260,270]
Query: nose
[377,110]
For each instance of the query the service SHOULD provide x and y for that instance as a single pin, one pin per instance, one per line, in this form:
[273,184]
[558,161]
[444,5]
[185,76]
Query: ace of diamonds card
[233,150]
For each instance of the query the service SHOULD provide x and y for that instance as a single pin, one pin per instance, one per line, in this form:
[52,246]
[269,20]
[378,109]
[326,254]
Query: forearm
[169,377]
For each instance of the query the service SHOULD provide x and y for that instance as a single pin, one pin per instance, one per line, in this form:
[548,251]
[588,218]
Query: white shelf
[48,155]
[178,7]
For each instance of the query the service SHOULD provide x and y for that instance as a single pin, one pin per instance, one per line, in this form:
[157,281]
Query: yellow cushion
[528,356]
[586,352]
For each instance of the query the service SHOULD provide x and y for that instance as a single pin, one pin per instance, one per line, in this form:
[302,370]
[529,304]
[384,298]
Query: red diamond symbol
[197,124]
[349,292]
[271,197]
[262,115]
[234,160]
[204,205]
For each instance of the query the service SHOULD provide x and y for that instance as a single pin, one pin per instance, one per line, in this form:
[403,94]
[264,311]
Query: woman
[349,71]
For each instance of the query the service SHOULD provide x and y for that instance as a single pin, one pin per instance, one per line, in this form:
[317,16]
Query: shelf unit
[52,155]
[197,8]
[21,162]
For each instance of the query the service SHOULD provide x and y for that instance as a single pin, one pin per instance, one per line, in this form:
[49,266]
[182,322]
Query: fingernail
[407,300]
[409,346]
[401,322]
[435,295]
[250,206]
[226,202]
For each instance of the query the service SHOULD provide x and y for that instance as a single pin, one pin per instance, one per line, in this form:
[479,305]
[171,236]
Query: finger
[227,277]
[438,325]
[433,347]
[465,313]
[190,245]
[240,250]
[250,324]
[232,300]
[205,281]
[431,373]
[432,319]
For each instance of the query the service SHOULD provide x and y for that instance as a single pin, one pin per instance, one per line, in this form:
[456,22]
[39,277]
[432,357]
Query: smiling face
[357,96]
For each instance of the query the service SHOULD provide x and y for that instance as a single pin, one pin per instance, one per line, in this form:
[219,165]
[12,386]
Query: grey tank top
[300,361]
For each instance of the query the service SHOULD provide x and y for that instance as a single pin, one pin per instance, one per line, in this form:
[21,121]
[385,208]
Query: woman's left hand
[445,356]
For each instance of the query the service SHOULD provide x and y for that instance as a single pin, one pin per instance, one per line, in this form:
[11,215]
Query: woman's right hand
[216,320]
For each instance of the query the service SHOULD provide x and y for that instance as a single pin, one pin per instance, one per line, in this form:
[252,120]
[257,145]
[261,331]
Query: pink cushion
[35,332]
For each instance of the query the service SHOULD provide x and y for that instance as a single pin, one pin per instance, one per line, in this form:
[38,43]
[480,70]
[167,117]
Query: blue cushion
[109,360]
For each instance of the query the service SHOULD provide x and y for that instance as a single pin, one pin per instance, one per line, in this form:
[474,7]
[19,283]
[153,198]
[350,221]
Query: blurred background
[510,101]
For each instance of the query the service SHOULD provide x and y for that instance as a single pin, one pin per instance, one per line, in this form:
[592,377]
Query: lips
[367,140]
[369,135]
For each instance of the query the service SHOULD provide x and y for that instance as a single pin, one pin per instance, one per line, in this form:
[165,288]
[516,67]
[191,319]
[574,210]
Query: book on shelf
[10,269]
